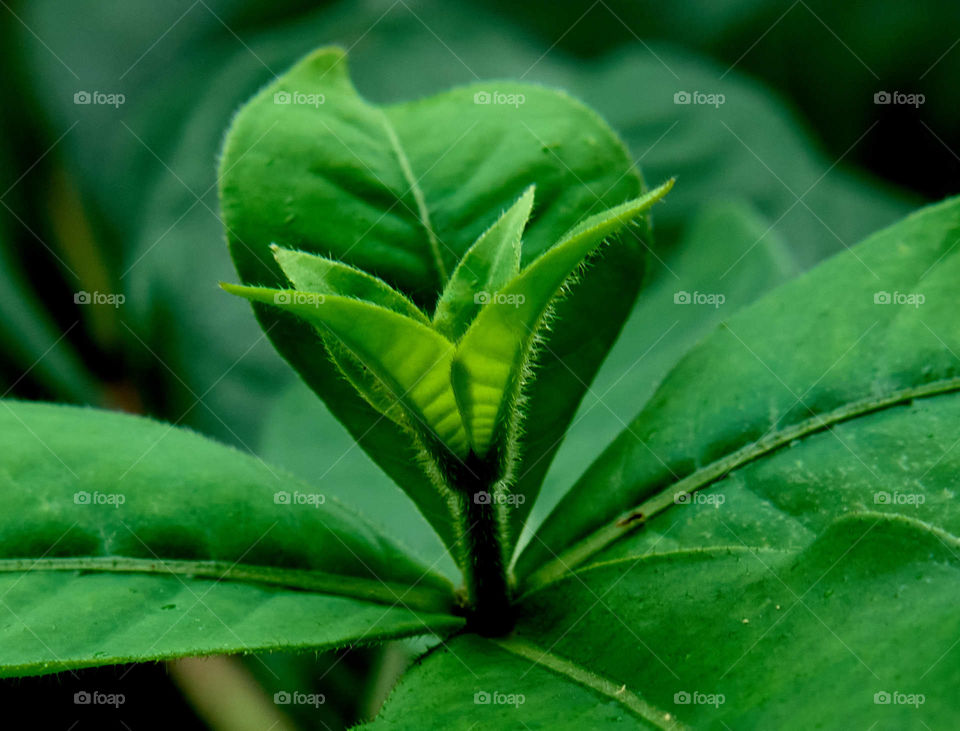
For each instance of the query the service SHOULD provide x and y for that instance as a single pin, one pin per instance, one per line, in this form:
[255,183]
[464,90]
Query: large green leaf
[149,541]
[822,349]
[303,437]
[853,631]
[778,524]
[383,189]
[727,249]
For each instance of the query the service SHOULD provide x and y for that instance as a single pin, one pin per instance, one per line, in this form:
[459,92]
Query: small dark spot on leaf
[630,520]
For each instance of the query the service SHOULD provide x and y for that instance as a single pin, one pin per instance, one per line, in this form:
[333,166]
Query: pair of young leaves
[454,376]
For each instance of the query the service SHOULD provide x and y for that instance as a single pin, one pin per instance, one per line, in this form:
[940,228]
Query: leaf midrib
[420,598]
[423,212]
[585,678]
[631,520]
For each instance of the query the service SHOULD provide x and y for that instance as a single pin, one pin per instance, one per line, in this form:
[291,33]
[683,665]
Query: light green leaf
[494,353]
[183,547]
[313,273]
[411,360]
[486,267]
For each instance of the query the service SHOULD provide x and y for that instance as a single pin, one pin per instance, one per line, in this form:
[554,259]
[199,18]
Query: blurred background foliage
[797,163]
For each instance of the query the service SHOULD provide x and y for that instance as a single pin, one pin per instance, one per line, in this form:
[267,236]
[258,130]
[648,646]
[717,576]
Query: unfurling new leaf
[451,379]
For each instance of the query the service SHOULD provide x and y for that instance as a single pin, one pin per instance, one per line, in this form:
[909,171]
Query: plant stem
[484,562]
[488,590]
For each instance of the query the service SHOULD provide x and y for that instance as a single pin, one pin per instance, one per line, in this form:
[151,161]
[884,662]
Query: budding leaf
[410,359]
[490,359]
[318,274]
[488,265]
[314,273]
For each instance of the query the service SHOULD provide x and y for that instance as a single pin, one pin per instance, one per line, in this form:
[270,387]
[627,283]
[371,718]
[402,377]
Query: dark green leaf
[183,547]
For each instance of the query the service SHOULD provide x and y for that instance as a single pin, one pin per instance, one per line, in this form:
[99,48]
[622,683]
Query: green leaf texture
[124,539]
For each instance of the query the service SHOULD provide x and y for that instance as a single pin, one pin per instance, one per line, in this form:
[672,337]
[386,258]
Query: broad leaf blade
[56,621]
[486,267]
[495,350]
[851,337]
[178,530]
[732,606]
[410,359]
[303,437]
[511,684]
[727,249]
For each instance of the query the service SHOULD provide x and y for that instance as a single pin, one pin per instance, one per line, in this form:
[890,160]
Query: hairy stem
[484,560]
